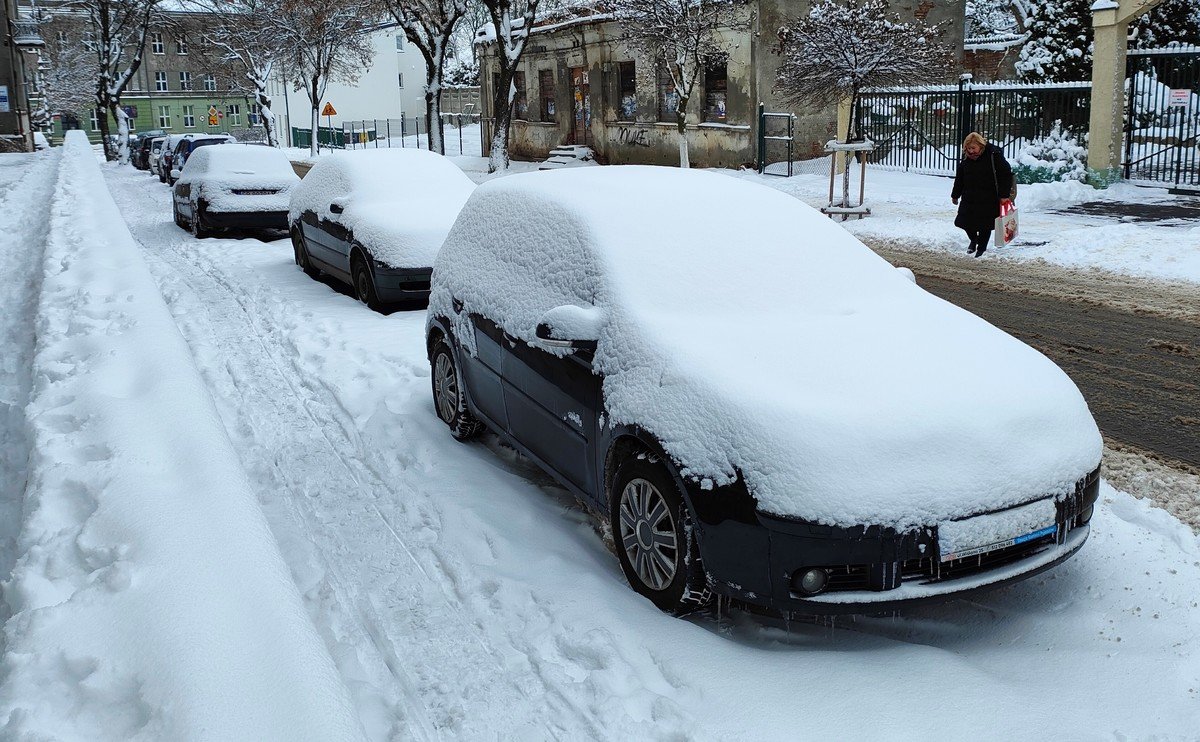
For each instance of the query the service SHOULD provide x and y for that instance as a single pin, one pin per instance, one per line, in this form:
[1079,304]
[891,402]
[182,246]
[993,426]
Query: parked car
[40,142]
[234,186]
[376,218]
[139,148]
[182,147]
[760,406]
[155,154]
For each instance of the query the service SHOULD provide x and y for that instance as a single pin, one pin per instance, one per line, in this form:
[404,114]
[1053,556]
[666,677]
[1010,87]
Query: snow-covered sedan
[235,186]
[761,407]
[375,219]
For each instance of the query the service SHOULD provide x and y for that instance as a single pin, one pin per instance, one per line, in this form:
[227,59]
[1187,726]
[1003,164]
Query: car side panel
[321,244]
[481,372]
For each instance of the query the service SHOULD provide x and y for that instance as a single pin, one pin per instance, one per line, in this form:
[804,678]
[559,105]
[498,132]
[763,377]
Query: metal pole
[762,138]
[417,123]
[460,142]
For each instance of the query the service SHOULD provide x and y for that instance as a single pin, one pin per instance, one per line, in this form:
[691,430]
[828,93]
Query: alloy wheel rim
[446,383]
[648,533]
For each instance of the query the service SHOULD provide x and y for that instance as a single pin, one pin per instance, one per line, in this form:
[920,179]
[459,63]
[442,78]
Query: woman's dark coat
[980,184]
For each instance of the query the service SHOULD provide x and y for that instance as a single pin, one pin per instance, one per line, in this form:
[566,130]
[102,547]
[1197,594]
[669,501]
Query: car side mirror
[907,273]
[175,173]
[571,327]
[337,207]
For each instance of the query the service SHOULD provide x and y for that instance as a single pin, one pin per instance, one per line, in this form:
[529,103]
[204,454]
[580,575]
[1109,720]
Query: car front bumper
[244,219]
[401,284]
[753,557]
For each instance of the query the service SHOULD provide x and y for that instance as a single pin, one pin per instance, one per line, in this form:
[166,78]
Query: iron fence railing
[1162,118]
[922,128]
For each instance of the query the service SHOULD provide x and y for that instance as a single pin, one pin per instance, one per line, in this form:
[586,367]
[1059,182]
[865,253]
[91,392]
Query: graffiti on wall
[632,137]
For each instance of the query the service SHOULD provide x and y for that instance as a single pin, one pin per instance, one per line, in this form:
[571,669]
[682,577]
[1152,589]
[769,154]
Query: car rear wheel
[302,255]
[449,400]
[197,223]
[655,540]
[364,284]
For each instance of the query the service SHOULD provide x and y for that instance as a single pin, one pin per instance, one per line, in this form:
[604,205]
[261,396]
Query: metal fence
[1162,121]
[922,128]
[776,133]
[407,132]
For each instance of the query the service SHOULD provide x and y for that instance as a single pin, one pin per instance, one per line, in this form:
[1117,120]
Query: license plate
[253,192]
[993,531]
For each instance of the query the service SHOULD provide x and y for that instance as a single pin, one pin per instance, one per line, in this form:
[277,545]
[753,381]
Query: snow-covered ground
[914,211]
[458,593]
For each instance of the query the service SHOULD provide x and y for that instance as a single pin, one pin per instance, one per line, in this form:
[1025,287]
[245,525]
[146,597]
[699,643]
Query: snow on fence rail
[150,600]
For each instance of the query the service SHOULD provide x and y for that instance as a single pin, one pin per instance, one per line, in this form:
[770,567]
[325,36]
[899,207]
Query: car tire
[302,255]
[449,397]
[363,283]
[654,537]
[197,222]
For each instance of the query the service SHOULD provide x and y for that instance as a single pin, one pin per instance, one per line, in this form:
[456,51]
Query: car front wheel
[655,539]
[364,285]
[449,400]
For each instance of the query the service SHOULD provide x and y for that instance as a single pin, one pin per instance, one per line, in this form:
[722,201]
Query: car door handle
[509,338]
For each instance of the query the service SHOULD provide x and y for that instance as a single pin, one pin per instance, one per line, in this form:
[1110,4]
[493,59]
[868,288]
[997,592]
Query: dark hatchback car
[375,220]
[174,161]
[715,390]
[139,154]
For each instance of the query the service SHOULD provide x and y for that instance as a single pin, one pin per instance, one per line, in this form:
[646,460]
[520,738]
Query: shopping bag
[1006,224]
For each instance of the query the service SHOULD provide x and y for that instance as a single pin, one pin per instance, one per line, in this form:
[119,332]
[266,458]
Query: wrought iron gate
[1162,121]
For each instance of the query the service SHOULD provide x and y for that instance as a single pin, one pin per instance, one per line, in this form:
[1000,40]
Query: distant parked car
[155,154]
[375,219]
[182,147]
[40,142]
[139,148]
[234,186]
[761,407]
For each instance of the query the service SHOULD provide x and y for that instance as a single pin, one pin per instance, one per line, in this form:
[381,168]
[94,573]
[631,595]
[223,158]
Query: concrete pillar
[1110,21]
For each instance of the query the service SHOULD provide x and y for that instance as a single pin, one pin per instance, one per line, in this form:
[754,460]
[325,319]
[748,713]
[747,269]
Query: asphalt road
[1133,349]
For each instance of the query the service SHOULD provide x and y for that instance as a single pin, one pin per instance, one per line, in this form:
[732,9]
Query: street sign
[212,111]
[213,121]
[329,110]
[1179,98]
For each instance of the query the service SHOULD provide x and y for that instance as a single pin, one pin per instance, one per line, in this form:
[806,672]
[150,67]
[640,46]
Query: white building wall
[393,87]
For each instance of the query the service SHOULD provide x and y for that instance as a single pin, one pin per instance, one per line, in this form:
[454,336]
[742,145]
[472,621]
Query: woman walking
[984,177]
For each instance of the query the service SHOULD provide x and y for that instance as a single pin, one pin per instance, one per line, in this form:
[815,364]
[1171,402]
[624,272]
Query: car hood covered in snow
[400,203]
[753,336]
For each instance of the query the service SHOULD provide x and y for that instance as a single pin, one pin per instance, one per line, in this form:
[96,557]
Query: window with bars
[185,80]
[668,97]
[210,82]
[521,101]
[160,81]
[546,94]
[189,117]
[716,86]
[156,43]
[164,117]
[626,91]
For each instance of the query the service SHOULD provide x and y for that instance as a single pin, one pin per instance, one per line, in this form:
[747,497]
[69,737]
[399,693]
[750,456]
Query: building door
[581,127]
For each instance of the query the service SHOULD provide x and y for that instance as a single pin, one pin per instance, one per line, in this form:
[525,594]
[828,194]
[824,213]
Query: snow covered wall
[149,600]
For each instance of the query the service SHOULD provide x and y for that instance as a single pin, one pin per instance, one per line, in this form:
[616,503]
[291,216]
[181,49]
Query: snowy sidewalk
[149,599]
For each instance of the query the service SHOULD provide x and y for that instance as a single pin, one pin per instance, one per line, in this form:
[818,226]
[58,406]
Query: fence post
[966,107]
[417,125]
[762,138]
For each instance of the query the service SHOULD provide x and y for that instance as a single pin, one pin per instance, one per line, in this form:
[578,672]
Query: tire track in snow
[241,359]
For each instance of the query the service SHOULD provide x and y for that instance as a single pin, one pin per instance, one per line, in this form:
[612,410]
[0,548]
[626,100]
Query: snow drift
[774,345]
[150,600]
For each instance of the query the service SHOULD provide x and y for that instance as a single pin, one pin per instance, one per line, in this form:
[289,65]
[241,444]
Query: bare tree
[684,36]
[243,33]
[511,23]
[65,82]
[843,46]
[324,41]
[429,25]
[117,40]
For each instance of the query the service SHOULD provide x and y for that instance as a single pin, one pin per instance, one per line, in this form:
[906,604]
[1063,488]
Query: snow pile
[218,172]
[776,346]
[1058,156]
[150,600]
[399,203]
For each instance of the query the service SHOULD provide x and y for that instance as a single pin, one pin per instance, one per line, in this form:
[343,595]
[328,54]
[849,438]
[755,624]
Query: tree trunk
[264,112]
[102,109]
[314,97]
[122,132]
[502,106]
[681,123]
[433,118]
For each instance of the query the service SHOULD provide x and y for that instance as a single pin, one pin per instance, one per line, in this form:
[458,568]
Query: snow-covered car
[761,407]
[236,186]
[375,219]
[40,142]
[155,154]
[179,148]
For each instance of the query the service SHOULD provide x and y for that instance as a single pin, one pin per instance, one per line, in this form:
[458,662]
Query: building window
[189,117]
[521,101]
[156,43]
[546,93]
[401,76]
[185,80]
[716,85]
[181,47]
[210,82]
[626,92]
[160,81]
[668,98]
[400,45]
[234,112]
[164,117]
[254,116]
[95,119]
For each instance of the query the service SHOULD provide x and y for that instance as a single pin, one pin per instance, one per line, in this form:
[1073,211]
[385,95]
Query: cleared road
[1133,347]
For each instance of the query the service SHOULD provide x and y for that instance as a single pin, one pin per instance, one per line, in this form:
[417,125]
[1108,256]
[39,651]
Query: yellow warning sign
[329,110]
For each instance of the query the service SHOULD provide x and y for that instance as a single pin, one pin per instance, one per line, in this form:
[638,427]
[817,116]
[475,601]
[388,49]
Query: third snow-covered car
[760,406]
[376,218]
[236,186]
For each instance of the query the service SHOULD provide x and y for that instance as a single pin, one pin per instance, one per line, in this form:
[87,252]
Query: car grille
[255,191]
